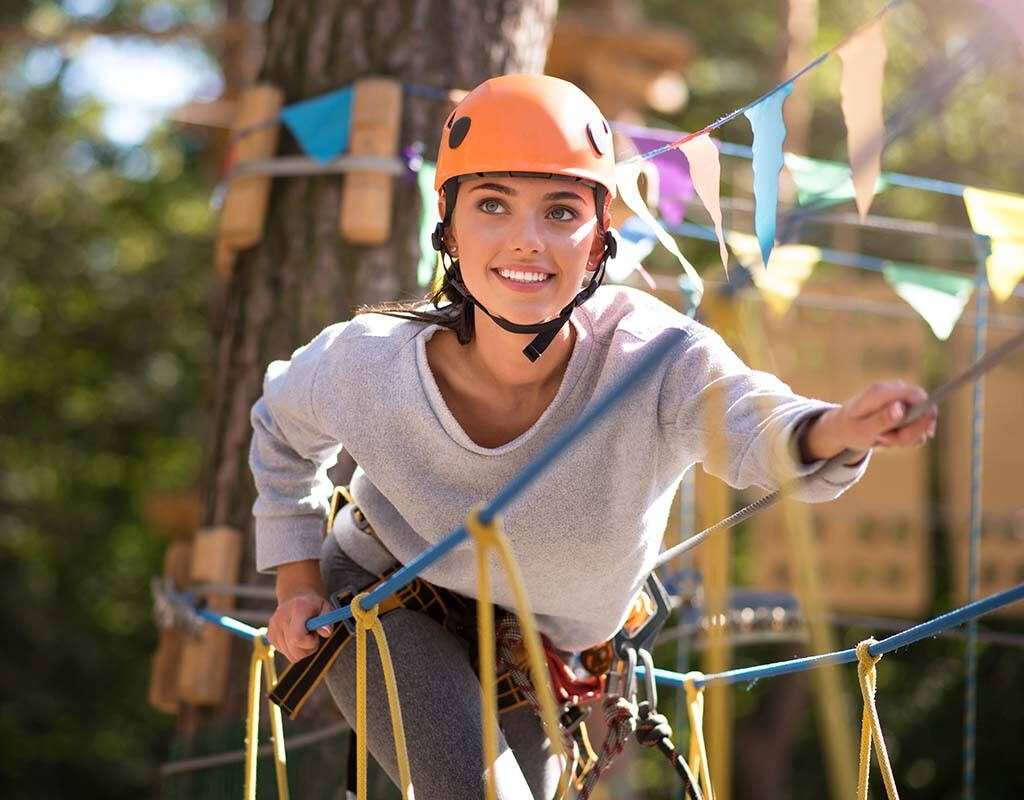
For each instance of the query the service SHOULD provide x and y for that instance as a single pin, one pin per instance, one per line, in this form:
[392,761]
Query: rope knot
[485,534]
[365,618]
[689,683]
[652,728]
[864,657]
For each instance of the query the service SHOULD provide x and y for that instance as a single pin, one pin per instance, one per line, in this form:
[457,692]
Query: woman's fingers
[287,627]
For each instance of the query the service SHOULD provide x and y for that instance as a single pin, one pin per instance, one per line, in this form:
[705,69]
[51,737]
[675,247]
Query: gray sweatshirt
[587,532]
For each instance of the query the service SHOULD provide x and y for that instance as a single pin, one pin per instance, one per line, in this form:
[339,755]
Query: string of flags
[321,126]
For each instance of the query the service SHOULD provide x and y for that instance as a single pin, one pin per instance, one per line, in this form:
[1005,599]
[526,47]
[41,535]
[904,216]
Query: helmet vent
[598,135]
[458,132]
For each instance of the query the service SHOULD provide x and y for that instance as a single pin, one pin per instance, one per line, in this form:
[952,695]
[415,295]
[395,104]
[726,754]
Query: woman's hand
[867,420]
[300,597]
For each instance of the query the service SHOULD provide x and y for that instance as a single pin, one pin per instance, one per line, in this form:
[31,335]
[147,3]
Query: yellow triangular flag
[627,177]
[1000,216]
[789,267]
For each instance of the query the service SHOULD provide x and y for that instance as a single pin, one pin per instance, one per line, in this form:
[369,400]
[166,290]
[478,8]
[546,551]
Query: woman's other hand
[300,596]
[869,420]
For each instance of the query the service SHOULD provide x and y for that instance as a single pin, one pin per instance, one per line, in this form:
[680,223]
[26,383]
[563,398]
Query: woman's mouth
[522,280]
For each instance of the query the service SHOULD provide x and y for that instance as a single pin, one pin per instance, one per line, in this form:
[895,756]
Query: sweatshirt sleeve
[743,424]
[289,456]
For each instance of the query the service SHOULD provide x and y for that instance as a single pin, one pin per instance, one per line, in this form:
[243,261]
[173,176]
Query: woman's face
[524,244]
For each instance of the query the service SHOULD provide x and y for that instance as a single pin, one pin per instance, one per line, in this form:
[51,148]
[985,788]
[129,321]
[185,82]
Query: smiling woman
[439,408]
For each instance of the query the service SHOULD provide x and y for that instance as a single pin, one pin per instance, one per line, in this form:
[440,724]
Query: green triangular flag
[823,183]
[939,297]
[428,221]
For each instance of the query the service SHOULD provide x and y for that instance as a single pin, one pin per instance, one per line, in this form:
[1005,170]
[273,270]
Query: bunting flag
[1011,12]
[706,174]
[627,177]
[769,134]
[939,297]
[428,221]
[675,188]
[791,265]
[823,183]
[863,59]
[1000,216]
[321,125]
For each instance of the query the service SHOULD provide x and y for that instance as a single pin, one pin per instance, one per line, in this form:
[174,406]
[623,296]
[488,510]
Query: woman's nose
[526,235]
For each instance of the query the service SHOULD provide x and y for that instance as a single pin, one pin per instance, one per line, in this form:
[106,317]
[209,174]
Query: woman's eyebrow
[495,187]
[563,196]
[508,190]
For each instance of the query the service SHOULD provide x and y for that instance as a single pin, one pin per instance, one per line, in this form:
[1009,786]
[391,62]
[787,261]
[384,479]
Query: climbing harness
[624,716]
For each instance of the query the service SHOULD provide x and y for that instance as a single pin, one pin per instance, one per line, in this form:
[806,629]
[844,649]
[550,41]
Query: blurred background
[134,331]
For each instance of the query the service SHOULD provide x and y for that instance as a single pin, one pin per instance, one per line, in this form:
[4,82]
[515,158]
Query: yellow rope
[369,621]
[263,657]
[490,537]
[698,750]
[871,727]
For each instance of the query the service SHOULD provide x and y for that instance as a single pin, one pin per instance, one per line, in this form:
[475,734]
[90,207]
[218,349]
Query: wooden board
[216,558]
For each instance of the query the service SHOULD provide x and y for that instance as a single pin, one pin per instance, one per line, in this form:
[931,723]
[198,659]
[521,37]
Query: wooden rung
[367,196]
[244,212]
[163,692]
[216,558]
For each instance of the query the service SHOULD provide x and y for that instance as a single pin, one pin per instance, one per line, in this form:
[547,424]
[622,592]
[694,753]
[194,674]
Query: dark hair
[456,315]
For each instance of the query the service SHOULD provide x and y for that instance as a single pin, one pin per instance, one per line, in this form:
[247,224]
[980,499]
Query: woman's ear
[596,251]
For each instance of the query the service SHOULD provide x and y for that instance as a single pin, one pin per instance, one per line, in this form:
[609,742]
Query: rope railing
[951,619]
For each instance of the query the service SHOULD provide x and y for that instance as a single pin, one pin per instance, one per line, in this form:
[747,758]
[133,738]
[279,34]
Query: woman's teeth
[523,277]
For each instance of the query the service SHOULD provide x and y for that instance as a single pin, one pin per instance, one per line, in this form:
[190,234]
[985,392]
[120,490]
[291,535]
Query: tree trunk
[302,277]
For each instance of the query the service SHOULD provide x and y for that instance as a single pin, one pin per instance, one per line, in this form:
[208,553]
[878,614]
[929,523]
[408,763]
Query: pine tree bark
[302,277]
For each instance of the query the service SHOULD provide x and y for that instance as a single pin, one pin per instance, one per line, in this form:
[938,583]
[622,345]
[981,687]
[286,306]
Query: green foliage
[103,275]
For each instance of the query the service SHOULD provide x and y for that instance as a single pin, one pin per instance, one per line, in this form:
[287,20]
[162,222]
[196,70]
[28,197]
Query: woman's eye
[491,206]
[562,214]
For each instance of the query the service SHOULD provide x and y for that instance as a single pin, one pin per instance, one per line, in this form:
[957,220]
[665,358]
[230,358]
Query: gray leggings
[440,697]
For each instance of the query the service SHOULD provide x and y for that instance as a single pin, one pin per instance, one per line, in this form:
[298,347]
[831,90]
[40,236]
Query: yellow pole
[252,722]
[276,728]
[830,698]
[714,559]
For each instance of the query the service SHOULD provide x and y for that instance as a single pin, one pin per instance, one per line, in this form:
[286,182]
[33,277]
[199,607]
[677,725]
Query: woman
[441,405]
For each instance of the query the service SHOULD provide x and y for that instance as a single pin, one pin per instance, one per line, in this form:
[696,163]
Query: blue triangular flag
[321,125]
[769,134]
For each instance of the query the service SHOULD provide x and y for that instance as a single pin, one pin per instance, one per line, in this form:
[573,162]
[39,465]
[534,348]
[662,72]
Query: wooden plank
[163,692]
[216,558]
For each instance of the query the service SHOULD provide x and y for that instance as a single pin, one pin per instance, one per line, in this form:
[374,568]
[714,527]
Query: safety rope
[509,646]
[488,536]
[263,658]
[368,620]
[871,726]
[653,730]
[698,750]
[620,716]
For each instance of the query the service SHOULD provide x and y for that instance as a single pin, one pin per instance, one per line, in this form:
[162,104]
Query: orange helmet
[527,126]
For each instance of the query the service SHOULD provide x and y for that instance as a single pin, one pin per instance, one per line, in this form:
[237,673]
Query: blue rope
[517,485]
[838,257]
[974,549]
[951,619]
[731,116]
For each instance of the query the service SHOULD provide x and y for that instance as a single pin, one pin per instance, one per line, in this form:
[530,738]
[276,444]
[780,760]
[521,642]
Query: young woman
[440,405]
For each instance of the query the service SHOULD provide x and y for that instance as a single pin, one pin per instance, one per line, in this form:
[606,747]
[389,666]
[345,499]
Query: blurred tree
[102,282]
[302,276]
